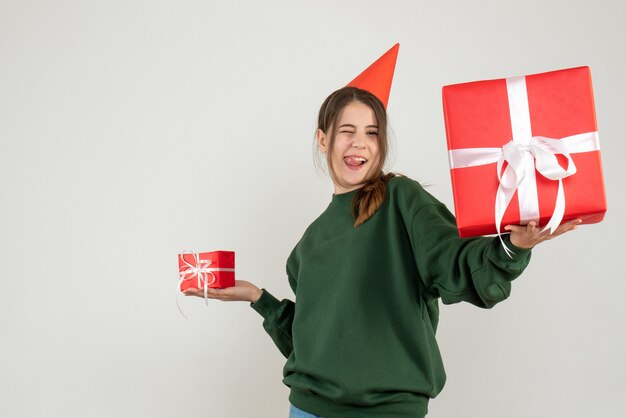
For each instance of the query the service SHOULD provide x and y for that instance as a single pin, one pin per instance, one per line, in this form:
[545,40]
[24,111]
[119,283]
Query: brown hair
[368,198]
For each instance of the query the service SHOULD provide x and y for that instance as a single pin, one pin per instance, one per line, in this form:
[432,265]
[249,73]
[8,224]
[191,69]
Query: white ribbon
[201,270]
[523,154]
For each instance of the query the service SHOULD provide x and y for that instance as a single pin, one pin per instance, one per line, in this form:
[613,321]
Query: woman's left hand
[530,235]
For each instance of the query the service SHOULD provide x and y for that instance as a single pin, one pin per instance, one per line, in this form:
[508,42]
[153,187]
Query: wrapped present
[214,269]
[522,149]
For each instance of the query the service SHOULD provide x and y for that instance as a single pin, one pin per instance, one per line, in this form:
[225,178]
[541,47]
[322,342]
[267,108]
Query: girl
[367,275]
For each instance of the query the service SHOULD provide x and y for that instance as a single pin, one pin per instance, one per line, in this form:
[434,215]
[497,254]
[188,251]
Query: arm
[277,320]
[474,270]
[278,315]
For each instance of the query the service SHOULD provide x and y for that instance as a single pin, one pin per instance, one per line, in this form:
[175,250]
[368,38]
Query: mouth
[354,161]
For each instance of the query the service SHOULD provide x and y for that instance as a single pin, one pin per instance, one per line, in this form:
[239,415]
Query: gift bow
[201,270]
[523,154]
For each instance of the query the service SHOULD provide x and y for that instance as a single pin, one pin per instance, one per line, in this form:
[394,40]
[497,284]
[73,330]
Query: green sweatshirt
[360,341]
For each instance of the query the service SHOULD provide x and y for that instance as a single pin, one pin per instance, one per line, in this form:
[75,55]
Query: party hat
[377,77]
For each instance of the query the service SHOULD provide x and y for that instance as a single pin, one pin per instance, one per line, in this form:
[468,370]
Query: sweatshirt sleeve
[277,319]
[278,315]
[475,270]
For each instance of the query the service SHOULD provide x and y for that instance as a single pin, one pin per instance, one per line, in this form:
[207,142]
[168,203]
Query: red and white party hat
[377,77]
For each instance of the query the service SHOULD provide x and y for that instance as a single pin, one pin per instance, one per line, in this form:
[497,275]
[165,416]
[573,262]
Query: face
[355,151]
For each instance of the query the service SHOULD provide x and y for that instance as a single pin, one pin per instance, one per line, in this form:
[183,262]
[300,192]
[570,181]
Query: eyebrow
[349,125]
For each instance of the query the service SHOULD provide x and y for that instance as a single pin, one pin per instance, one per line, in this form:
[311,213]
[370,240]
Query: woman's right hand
[241,291]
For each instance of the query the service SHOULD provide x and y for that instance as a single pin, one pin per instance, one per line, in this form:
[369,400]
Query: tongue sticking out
[354,161]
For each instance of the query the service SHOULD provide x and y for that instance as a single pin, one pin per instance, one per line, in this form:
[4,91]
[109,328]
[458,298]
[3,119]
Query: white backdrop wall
[132,130]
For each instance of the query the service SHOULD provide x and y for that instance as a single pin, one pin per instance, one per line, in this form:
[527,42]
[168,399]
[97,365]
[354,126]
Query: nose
[358,142]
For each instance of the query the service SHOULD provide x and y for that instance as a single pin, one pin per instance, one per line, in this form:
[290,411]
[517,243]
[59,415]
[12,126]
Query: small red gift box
[216,269]
[522,149]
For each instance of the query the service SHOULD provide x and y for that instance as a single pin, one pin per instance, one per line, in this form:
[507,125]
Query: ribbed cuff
[266,304]
[518,253]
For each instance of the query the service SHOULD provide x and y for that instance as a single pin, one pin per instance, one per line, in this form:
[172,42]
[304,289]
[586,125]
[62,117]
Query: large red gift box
[539,132]
[216,269]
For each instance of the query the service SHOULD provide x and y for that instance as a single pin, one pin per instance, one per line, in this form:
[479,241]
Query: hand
[241,291]
[530,235]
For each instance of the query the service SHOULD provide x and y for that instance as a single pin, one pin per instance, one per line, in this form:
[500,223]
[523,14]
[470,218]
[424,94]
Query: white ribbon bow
[201,270]
[523,154]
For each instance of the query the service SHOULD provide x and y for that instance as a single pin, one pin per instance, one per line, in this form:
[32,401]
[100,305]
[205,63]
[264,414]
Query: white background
[132,130]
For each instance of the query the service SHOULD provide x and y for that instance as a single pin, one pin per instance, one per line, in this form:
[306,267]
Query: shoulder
[403,184]
[409,194]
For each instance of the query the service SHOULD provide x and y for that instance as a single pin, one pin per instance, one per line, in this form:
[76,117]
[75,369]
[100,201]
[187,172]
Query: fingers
[520,228]
[567,226]
[531,227]
[572,224]
[226,294]
[515,228]
[211,293]
[192,292]
[530,235]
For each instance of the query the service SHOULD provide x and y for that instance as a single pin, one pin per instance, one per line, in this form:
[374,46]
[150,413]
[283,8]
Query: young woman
[367,275]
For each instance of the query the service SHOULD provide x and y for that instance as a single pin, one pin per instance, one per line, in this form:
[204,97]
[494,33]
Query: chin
[352,184]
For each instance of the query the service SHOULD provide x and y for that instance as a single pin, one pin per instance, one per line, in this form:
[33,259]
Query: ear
[322,140]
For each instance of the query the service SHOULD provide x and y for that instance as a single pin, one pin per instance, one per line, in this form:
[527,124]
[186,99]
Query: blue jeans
[299,413]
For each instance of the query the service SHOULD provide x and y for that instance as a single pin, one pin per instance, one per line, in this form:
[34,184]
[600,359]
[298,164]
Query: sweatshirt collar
[343,199]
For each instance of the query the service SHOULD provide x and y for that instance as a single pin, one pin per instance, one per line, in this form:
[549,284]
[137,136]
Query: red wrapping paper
[218,260]
[477,116]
